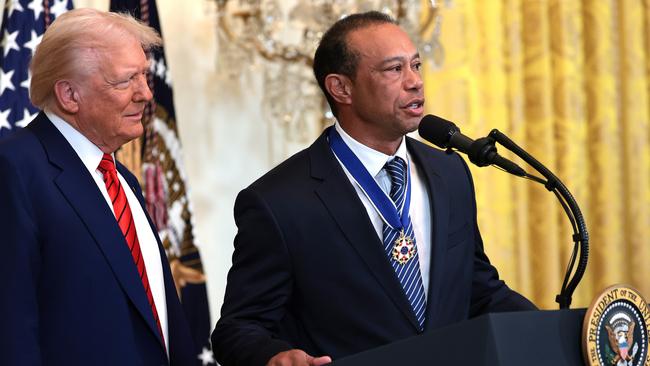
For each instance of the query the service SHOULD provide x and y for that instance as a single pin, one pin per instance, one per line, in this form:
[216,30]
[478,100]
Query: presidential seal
[615,329]
[404,248]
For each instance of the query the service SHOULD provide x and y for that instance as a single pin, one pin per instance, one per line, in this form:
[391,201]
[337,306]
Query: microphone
[482,152]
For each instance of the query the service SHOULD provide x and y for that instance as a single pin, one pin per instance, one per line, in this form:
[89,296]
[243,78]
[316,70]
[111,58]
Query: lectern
[528,338]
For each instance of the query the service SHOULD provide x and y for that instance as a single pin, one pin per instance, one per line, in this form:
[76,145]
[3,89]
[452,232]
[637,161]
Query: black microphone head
[437,130]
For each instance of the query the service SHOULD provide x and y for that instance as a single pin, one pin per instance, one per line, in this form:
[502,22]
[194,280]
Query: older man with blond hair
[86,281]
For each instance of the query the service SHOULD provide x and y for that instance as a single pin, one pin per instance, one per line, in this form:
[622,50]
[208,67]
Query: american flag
[23,25]
[165,186]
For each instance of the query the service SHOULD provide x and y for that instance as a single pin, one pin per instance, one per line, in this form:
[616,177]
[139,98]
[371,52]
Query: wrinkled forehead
[113,53]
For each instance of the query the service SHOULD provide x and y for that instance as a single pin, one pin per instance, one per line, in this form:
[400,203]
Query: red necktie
[125,221]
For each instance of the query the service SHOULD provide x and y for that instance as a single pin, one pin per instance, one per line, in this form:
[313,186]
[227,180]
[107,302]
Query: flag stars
[20,34]
[4,119]
[59,7]
[161,68]
[27,117]
[13,5]
[26,83]
[9,42]
[5,81]
[37,7]
[33,42]
[206,356]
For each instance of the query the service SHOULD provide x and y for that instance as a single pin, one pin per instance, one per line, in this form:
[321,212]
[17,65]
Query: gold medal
[404,248]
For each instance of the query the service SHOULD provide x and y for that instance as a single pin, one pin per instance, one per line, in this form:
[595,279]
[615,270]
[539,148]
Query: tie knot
[106,165]
[396,168]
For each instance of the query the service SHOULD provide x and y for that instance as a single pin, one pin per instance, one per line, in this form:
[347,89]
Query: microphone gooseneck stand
[569,204]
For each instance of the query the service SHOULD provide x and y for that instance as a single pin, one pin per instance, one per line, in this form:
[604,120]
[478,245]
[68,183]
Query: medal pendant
[404,248]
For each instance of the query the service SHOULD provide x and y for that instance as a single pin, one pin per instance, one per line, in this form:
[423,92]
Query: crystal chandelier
[281,36]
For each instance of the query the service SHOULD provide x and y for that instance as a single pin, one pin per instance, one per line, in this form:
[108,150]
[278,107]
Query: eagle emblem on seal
[620,333]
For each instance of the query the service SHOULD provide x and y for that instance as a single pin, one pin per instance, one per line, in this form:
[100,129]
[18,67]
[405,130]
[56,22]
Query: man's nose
[143,92]
[413,79]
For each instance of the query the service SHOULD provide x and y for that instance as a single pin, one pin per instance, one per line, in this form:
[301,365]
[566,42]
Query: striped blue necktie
[408,273]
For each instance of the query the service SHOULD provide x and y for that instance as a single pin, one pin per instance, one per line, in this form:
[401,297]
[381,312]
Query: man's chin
[412,124]
[135,132]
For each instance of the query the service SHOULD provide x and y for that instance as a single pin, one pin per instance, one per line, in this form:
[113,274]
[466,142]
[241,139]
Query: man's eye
[123,84]
[397,68]
[417,66]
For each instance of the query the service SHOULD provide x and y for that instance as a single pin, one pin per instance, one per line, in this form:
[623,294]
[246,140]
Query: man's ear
[339,87]
[67,96]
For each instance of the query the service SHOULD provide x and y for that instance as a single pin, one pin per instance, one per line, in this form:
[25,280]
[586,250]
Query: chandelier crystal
[279,37]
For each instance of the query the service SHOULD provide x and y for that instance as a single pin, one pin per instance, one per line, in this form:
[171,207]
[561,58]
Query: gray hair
[71,38]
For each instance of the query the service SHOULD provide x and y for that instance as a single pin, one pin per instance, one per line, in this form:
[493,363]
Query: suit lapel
[439,199]
[80,190]
[341,200]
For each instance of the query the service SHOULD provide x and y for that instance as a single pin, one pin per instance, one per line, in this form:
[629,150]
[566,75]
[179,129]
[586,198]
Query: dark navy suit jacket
[71,292]
[310,272]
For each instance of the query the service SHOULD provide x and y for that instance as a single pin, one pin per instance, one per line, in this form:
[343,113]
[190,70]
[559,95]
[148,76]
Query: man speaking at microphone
[367,236]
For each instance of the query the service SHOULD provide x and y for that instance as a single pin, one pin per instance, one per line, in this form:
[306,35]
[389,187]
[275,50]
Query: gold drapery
[570,82]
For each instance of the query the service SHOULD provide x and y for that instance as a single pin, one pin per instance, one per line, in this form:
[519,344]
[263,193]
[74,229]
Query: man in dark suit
[86,280]
[365,237]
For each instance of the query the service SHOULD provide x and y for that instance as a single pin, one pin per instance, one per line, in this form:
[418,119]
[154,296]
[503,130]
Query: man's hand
[296,357]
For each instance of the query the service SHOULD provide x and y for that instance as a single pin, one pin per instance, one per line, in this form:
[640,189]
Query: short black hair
[333,56]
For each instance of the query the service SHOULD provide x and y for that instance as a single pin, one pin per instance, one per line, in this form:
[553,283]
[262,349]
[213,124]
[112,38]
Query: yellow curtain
[569,81]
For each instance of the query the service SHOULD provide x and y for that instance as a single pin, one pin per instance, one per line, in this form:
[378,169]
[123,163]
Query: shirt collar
[88,152]
[371,159]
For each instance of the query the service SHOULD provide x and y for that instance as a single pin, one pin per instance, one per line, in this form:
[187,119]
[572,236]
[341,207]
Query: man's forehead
[383,42]
[373,30]
[119,62]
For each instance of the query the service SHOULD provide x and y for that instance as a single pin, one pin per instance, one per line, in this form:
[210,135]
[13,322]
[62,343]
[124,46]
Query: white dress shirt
[374,162]
[91,155]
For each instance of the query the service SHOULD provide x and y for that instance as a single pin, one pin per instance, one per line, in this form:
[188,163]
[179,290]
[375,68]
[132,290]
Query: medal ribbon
[396,218]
